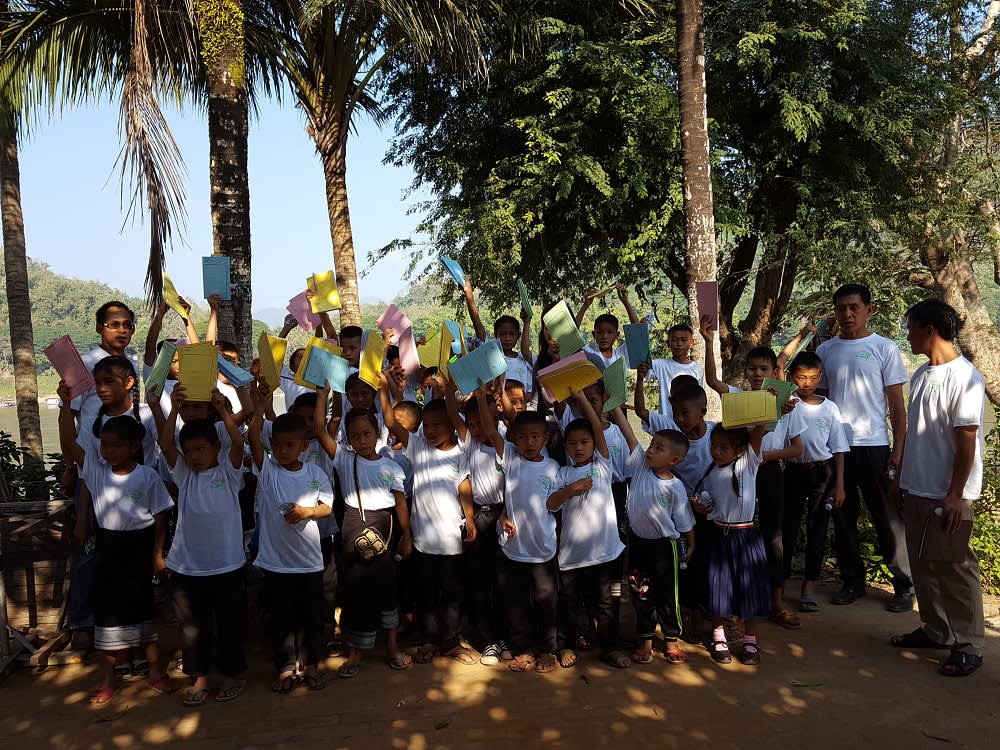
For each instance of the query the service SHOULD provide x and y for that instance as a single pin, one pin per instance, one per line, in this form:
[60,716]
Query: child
[442,505]
[735,555]
[508,332]
[679,338]
[129,503]
[606,328]
[783,443]
[206,557]
[529,573]
[589,545]
[350,342]
[816,477]
[658,513]
[291,497]
[360,395]
[372,486]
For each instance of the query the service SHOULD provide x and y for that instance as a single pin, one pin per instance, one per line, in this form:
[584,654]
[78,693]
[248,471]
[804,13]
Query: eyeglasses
[116,325]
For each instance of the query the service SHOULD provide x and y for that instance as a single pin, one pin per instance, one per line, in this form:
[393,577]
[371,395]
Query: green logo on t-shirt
[545,483]
[665,500]
[314,485]
[385,478]
[865,356]
[217,484]
[134,495]
[935,387]
[822,425]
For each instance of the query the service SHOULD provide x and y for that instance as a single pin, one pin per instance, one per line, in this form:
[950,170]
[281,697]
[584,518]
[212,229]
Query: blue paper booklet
[637,343]
[483,363]
[215,274]
[455,269]
[324,366]
[236,375]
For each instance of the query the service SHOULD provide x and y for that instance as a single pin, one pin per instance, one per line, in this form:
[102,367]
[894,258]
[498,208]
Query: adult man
[115,326]
[864,373]
[941,476]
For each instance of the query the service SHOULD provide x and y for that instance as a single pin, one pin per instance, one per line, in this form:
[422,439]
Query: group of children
[500,519]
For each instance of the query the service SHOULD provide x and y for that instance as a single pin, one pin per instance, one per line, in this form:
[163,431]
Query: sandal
[546,663]
[642,657]
[400,661]
[582,644]
[567,658]
[808,603]
[522,663]
[917,639]
[461,654]
[675,657]
[960,664]
[284,684]
[750,655]
[102,696]
[194,698]
[720,652]
[230,690]
[316,680]
[425,654]
[162,686]
[617,659]
[349,670]
[786,619]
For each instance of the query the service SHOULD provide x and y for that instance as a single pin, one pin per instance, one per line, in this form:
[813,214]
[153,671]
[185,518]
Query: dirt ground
[834,683]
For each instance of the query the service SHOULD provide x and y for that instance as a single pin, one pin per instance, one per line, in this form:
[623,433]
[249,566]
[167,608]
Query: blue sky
[73,208]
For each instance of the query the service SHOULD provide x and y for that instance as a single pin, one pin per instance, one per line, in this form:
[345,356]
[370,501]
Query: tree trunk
[699,216]
[221,28]
[732,284]
[333,151]
[18,302]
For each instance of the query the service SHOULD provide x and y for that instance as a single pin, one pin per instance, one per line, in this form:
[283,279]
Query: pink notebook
[395,319]
[707,295]
[63,355]
[300,307]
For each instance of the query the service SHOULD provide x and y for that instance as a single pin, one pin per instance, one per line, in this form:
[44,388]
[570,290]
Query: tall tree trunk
[699,215]
[18,302]
[332,147]
[221,28]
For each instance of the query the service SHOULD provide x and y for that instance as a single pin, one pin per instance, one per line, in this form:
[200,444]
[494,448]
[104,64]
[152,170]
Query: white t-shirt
[399,456]
[527,489]
[285,547]
[485,474]
[856,373]
[699,455]
[88,404]
[378,479]
[663,371]
[657,508]
[617,448]
[124,503]
[942,398]
[313,454]
[209,536]
[789,427]
[91,443]
[232,397]
[734,506]
[290,388]
[436,515]
[619,352]
[589,523]
[521,370]
[824,434]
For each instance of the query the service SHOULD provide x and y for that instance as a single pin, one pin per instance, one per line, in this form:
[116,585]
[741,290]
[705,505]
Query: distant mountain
[274,317]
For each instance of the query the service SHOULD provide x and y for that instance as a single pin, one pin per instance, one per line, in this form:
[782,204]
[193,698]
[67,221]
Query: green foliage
[24,478]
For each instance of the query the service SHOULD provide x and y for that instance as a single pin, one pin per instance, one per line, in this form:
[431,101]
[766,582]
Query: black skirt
[738,582]
[124,607]
[369,585]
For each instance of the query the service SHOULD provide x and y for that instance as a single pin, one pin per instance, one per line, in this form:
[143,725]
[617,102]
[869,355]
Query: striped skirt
[737,573]
[369,585]
[124,607]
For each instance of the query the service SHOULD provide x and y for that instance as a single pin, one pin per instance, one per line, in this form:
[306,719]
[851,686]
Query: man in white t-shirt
[940,478]
[863,373]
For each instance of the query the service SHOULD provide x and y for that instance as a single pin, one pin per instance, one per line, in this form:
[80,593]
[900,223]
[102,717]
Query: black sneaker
[902,601]
[849,594]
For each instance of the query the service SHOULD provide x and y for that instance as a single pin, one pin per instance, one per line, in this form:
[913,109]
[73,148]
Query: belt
[491,506]
[727,526]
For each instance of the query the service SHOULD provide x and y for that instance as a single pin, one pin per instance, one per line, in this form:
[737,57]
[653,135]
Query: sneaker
[491,655]
[505,653]
[902,601]
[849,594]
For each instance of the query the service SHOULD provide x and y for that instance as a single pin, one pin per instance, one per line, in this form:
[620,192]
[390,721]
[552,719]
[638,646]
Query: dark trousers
[211,611]
[585,595]
[482,587]
[530,592]
[296,601]
[439,597]
[807,487]
[654,564]
[770,518]
[864,476]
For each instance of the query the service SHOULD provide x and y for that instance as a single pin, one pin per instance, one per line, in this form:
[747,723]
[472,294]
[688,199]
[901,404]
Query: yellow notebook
[271,351]
[444,352]
[371,359]
[428,351]
[325,294]
[301,377]
[574,372]
[199,364]
[172,298]
[747,408]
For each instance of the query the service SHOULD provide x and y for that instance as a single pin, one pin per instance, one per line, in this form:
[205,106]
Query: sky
[74,214]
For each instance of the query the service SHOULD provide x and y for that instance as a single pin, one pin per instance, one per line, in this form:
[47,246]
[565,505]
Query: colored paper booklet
[616,384]
[161,368]
[747,408]
[395,319]
[707,295]
[574,372]
[66,359]
[172,298]
[455,269]
[444,350]
[637,343]
[236,375]
[560,324]
[321,363]
[301,309]
[522,292]
[324,289]
[409,355]
[784,389]
[483,363]
[429,351]
[372,357]
[271,352]
[215,276]
[199,370]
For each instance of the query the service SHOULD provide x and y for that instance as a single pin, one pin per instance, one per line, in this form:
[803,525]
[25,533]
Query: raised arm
[289,324]
[789,349]
[711,376]
[320,427]
[596,424]
[455,410]
[488,423]
[256,427]
[757,437]
[327,325]
[470,303]
[221,405]
[639,398]
[526,337]
[588,300]
[71,450]
[619,417]
[388,416]
[167,435]
[633,316]
[212,329]
[155,326]
[189,329]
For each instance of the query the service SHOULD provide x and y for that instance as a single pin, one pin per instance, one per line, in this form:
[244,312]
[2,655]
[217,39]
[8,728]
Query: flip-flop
[101,696]
[284,684]
[230,691]
[400,661]
[316,681]
[162,686]
[642,657]
[808,603]
[194,698]
[521,663]
[675,657]
[348,670]
[567,658]
[786,619]
[546,663]
[916,639]
[460,654]
[425,654]
[960,664]
[617,659]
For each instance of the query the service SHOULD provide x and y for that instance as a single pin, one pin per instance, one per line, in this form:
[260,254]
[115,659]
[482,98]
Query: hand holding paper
[66,360]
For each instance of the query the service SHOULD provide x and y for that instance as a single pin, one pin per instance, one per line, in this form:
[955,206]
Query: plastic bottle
[829,504]
[682,550]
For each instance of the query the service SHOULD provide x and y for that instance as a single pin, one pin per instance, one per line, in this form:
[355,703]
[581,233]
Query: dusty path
[835,683]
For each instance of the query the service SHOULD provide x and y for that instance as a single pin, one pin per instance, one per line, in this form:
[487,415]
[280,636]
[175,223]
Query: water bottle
[706,500]
[829,504]
[891,473]
[939,511]
[283,508]
[682,550]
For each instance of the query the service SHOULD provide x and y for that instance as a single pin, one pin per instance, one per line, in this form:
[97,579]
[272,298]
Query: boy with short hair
[665,370]
[350,344]
[606,327]
[509,333]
